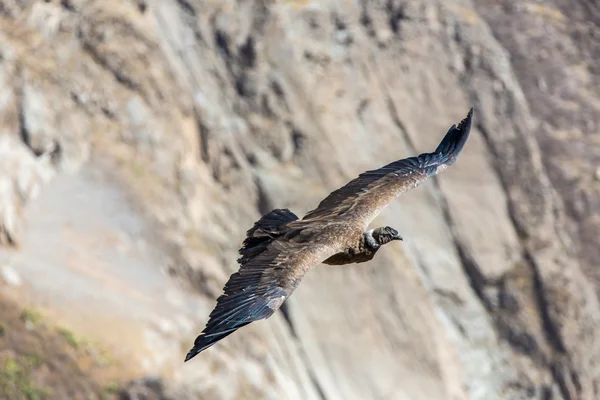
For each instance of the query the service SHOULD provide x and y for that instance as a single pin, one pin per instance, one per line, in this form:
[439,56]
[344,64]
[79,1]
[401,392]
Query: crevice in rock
[546,393]
[285,311]
[142,6]
[559,378]
[527,388]
[576,381]
[242,86]
[247,53]
[56,153]
[451,296]
[362,106]
[365,19]
[476,278]
[24,133]
[203,138]
[298,139]
[222,42]
[278,90]
[67,5]
[317,385]
[396,13]
[519,339]
[264,202]
[117,73]
[549,328]
[107,112]
[396,119]
[187,7]
[265,106]
[338,22]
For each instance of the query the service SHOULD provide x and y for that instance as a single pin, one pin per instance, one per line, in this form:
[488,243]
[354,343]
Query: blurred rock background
[139,140]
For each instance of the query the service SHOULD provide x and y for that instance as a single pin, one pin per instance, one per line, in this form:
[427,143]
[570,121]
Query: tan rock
[206,114]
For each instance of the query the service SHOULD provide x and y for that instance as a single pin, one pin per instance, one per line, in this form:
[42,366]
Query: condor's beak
[397,237]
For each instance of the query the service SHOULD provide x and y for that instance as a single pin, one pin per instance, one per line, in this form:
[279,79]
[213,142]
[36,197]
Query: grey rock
[211,113]
[10,276]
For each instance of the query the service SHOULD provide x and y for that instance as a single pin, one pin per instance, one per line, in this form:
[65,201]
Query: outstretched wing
[261,285]
[363,198]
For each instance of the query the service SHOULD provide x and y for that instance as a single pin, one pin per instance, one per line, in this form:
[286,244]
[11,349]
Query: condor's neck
[370,243]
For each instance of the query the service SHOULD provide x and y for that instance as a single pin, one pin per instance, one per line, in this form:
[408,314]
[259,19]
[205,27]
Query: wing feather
[259,287]
[363,198]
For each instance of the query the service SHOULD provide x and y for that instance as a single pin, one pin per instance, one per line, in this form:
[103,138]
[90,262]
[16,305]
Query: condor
[280,249]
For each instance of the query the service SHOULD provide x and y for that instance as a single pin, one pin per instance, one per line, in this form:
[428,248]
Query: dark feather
[263,232]
[364,197]
[233,312]
[455,140]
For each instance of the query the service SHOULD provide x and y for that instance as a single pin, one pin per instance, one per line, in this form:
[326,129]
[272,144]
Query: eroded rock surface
[207,114]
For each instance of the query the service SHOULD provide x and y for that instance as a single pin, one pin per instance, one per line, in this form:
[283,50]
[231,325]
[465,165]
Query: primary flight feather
[279,249]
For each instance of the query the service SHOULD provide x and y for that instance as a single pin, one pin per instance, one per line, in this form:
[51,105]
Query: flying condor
[280,249]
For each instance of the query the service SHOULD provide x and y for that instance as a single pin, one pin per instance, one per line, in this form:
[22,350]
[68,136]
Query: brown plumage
[280,248]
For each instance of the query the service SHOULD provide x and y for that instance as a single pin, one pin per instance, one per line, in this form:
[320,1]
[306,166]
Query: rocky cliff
[141,139]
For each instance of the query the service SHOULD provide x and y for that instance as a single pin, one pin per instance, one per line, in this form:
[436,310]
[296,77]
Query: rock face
[209,113]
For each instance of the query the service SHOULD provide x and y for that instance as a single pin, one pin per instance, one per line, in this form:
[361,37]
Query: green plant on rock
[15,383]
